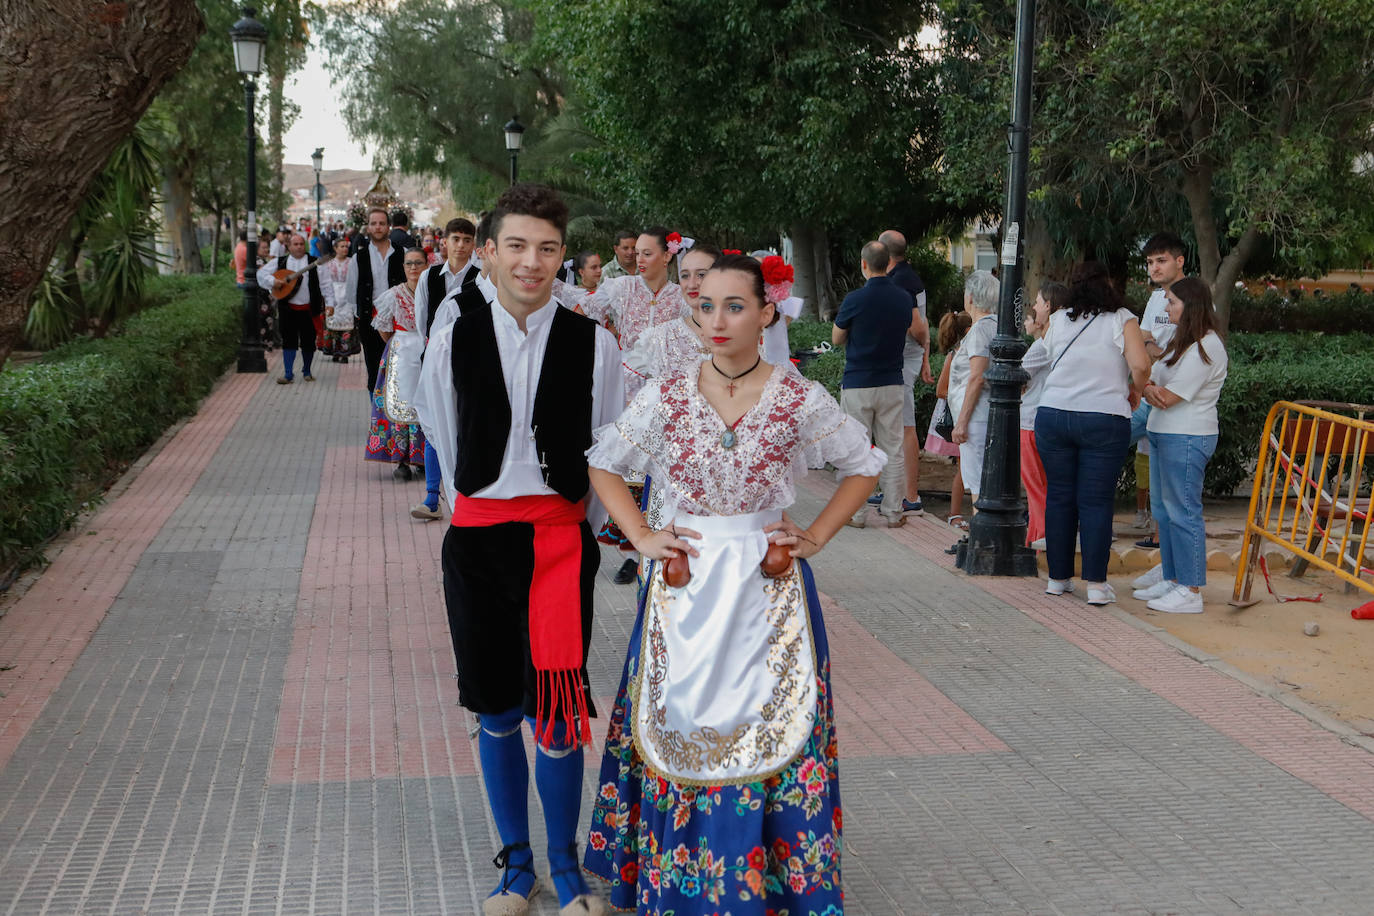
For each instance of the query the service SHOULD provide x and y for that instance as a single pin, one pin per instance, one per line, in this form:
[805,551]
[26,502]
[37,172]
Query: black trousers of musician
[372,351]
[297,333]
[487,572]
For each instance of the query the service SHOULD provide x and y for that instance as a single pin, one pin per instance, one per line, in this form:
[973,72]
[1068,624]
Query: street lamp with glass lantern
[515,135]
[250,43]
[317,159]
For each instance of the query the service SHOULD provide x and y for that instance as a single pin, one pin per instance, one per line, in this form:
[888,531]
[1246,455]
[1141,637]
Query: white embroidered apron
[402,375]
[342,319]
[726,689]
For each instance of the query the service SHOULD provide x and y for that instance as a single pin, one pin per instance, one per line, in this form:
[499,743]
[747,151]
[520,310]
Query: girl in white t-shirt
[1183,391]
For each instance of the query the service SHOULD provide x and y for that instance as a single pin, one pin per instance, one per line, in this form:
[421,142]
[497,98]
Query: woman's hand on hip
[664,543]
[790,534]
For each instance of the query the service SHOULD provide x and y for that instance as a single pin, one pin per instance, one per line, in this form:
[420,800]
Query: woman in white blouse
[1083,426]
[1183,391]
[968,398]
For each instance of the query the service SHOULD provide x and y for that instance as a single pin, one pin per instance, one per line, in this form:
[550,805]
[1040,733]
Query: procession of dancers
[550,406]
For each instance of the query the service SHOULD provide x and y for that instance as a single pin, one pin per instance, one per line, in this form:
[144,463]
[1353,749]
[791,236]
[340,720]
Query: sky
[320,122]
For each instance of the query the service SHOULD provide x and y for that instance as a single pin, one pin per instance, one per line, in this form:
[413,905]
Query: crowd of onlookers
[1101,380]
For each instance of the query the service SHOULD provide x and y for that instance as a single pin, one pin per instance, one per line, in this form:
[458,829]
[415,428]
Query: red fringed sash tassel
[555,603]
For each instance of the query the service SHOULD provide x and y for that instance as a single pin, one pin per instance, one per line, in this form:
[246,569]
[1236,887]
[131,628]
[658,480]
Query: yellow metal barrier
[1307,495]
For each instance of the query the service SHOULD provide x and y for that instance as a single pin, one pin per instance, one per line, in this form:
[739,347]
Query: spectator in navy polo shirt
[872,326]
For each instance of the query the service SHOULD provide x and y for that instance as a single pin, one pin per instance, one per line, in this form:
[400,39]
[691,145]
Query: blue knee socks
[307,356]
[558,777]
[288,361]
[506,773]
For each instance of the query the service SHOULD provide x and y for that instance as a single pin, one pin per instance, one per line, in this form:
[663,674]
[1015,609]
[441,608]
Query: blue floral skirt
[766,848]
[388,440]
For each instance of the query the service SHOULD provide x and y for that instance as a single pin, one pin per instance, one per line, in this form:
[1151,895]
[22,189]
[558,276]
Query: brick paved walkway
[232,692]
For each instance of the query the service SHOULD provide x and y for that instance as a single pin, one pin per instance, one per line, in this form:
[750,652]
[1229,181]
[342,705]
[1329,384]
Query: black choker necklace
[733,378]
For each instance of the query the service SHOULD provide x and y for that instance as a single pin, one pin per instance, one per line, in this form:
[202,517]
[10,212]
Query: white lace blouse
[671,432]
[633,307]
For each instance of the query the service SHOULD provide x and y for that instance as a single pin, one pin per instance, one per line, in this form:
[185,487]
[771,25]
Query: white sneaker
[1152,577]
[1059,587]
[1101,594]
[1038,544]
[1158,590]
[1142,520]
[1179,600]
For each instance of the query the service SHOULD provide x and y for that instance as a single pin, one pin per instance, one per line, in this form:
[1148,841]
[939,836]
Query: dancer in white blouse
[721,746]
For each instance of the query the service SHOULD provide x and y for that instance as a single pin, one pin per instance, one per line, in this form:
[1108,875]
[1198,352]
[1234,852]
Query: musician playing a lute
[296,311]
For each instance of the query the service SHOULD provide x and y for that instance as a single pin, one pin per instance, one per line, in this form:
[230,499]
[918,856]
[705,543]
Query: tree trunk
[214,244]
[804,269]
[825,295]
[1042,257]
[178,222]
[275,118]
[1219,273]
[75,76]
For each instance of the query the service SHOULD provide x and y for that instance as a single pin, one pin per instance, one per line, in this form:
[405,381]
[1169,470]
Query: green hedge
[1344,313]
[72,422]
[1264,368]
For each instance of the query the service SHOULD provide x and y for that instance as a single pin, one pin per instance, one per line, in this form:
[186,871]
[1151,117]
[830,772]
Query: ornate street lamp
[997,533]
[250,42]
[317,159]
[515,135]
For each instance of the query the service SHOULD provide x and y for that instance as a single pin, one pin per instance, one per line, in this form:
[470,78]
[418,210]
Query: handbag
[944,424]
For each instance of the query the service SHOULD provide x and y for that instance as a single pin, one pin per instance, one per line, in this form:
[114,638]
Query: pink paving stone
[353,377]
[1262,725]
[884,707]
[48,628]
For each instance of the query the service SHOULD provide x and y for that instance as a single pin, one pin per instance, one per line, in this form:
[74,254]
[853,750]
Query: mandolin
[286,282]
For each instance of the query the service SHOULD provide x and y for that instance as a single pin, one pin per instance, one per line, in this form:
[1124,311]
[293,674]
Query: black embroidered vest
[438,291]
[562,415]
[312,284]
[395,274]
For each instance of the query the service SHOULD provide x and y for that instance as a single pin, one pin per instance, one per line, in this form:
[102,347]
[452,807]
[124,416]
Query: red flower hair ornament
[777,278]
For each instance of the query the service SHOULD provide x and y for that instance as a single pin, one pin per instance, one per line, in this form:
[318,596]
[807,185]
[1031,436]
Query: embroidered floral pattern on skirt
[388,440]
[766,848]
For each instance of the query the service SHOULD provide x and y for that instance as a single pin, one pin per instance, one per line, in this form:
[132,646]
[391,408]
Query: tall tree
[783,115]
[1238,121]
[75,76]
[286,50]
[430,83]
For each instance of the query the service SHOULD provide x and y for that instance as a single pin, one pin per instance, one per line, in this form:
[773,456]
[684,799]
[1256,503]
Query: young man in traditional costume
[509,395]
[436,283]
[376,267]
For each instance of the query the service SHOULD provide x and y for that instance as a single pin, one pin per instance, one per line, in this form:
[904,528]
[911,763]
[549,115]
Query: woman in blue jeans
[1183,391]
[1083,426]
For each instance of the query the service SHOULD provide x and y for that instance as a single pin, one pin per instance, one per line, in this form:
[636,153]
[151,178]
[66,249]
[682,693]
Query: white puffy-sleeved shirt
[670,431]
[395,310]
[522,357]
[1198,383]
[266,277]
[633,307]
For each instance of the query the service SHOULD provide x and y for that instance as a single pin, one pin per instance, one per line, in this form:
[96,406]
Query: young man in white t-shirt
[1164,255]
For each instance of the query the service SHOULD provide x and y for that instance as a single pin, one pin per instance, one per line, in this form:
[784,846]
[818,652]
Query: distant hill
[343,186]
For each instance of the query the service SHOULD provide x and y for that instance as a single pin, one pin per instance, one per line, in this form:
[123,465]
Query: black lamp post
[997,534]
[515,135]
[317,159]
[250,41]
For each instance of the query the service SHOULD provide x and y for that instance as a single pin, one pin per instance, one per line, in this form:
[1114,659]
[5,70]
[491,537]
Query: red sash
[555,620]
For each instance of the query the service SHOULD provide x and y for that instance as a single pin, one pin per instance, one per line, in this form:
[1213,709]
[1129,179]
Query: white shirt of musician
[302,294]
[522,358]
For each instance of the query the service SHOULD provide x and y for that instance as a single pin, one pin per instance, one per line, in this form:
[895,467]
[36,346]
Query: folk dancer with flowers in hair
[509,394]
[719,786]
[633,305]
[389,439]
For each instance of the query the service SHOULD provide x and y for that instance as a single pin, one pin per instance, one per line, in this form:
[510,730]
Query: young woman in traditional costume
[402,444]
[719,789]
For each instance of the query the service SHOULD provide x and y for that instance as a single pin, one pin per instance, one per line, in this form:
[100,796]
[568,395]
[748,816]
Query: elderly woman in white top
[1183,390]
[1083,426]
[968,398]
